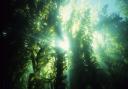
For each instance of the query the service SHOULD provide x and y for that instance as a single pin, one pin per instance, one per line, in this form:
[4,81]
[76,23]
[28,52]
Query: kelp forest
[64,44]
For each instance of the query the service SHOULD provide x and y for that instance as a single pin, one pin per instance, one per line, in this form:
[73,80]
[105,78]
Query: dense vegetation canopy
[67,44]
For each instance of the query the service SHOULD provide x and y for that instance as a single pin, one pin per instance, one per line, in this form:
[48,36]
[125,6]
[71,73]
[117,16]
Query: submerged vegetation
[67,44]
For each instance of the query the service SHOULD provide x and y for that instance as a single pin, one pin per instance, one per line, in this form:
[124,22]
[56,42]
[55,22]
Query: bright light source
[64,43]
